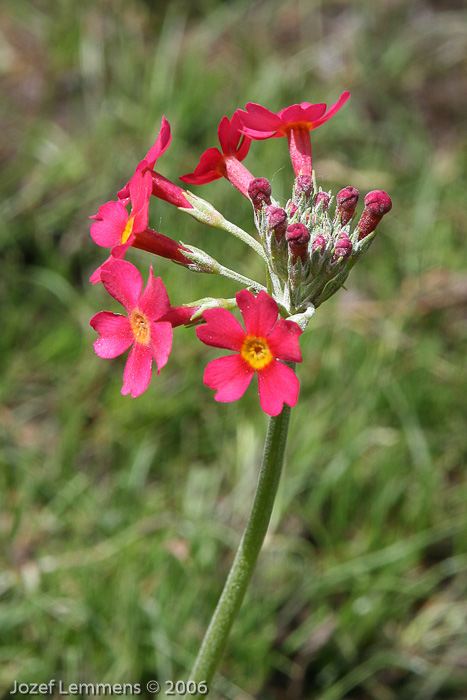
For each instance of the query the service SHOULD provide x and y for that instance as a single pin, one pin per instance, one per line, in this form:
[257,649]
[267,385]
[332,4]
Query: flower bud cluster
[310,245]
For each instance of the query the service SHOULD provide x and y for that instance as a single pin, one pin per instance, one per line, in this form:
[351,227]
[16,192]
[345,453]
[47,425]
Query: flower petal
[258,122]
[278,384]
[260,313]
[233,142]
[229,375]
[283,341]
[140,191]
[107,230]
[161,144]
[161,343]
[154,301]
[222,330]
[123,281]
[304,112]
[137,374]
[208,168]
[228,137]
[115,333]
[335,107]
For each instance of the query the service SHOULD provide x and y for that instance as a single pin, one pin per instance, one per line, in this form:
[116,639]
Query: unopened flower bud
[304,185]
[377,204]
[347,200]
[324,198]
[343,247]
[259,191]
[277,221]
[319,244]
[291,209]
[298,236]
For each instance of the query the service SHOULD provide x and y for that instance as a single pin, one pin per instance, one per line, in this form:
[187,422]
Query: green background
[119,517]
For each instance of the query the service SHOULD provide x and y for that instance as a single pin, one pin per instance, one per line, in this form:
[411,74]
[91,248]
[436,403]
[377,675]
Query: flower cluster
[308,248]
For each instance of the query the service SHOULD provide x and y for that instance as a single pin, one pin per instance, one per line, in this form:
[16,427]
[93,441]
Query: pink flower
[113,227]
[161,186]
[160,146]
[213,164]
[295,122]
[260,349]
[143,328]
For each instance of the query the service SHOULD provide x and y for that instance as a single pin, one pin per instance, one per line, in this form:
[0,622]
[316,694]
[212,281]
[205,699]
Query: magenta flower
[260,349]
[113,227]
[143,328]
[161,187]
[160,146]
[213,164]
[295,122]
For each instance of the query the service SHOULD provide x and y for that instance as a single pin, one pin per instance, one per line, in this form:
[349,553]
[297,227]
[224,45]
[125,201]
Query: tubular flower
[113,227]
[259,350]
[213,164]
[143,327]
[294,122]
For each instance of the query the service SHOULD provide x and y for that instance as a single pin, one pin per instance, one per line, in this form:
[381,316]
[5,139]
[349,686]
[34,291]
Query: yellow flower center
[256,352]
[128,230]
[140,327]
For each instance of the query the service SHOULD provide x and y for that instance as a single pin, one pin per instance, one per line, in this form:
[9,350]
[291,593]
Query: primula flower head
[213,164]
[143,327]
[259,349]
[294,122]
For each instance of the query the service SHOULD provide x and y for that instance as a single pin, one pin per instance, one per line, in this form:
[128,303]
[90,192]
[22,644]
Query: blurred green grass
[119,518]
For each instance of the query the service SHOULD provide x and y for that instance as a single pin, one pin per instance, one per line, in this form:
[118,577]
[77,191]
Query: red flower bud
[259,191]
[292,208]
[377,204]
[319,244]
[304,184]
[324,198]
[347,200]
[298,236]
[277,221]
[343,247]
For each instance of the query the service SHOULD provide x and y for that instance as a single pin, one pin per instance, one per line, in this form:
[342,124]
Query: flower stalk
[247,554]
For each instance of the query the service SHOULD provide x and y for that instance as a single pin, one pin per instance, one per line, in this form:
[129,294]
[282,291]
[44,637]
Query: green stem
[231,274]
[248,550]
